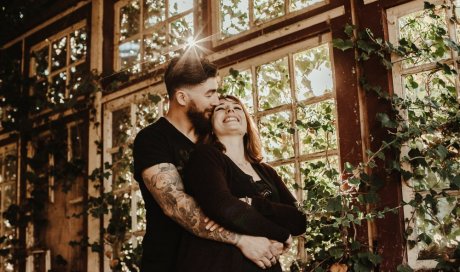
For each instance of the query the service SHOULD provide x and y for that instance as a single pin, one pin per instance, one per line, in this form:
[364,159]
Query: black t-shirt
[160,142]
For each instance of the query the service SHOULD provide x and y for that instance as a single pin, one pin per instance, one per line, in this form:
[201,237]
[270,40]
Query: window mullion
[251,14]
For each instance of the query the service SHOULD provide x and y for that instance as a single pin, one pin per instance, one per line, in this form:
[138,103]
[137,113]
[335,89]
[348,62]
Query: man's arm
[165,184]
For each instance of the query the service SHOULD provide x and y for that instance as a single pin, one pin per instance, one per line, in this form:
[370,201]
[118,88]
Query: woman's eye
[218,109]
[238,108]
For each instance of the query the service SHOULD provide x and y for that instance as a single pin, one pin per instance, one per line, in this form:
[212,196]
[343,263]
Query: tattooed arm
[165,184]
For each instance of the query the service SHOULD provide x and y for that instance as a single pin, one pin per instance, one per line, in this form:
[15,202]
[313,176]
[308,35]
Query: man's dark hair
[187,70]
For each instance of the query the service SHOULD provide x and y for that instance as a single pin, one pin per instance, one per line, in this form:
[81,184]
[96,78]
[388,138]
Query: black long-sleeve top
[217,183]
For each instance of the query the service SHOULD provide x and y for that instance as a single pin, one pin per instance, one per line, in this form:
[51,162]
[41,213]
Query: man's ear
[181,97]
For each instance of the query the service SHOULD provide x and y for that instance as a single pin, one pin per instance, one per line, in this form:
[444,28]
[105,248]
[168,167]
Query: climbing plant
[422,146]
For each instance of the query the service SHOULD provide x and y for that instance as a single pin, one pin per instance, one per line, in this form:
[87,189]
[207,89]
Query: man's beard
[200,121]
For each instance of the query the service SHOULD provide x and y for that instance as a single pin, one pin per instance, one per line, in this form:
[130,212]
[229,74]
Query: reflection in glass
[154,12]
[129,19]
[273,84]
[241,87]
[313,74]
[234,17]
[129,54]
[78,45]
[277,141]
[266,10]
[300,4]
[316,126]
[179,6]
[59,54]
[181,30]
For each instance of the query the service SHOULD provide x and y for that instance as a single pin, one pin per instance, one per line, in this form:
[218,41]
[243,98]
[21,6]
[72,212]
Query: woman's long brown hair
[252,143]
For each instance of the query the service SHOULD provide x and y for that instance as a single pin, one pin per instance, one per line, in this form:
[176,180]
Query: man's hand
[258,250]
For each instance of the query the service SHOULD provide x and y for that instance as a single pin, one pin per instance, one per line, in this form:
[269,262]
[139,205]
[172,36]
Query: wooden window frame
[142,31]
[218,39]
[398,74]
[48,43]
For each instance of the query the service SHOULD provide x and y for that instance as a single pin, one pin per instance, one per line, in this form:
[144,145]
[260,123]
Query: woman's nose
[230,109]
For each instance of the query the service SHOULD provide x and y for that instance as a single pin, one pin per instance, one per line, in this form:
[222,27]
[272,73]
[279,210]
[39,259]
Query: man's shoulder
[156,128]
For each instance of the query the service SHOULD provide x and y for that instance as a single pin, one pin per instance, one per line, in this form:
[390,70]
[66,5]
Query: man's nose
[215,100]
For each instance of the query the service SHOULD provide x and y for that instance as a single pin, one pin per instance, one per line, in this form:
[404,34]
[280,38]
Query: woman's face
[229,119]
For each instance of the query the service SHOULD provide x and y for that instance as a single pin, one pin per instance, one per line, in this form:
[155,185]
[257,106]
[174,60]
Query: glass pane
[430,95]
[422,30]
[129,54]
[320,182]
[59,54]
[179,6]
[181,30]
[140,212]
[121,166]
[75,142]
[154,12]
[300,4]
[56,93]
[442,228]
[9,196]
[240,85]
[78,45]
[424,179]
[313,74]
[154,45]
[10,168]
[147,112]
[265,10]
[129,20]
[41,62]
[234,17]
[40,90]
[316,125]
[76,78]
[273,84]
[274,129]
[287,174]
[120,123]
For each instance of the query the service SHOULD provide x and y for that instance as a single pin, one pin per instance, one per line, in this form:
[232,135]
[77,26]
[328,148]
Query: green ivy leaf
[442,151]
[336,252]
[425,238]
[342,44]
[456,182]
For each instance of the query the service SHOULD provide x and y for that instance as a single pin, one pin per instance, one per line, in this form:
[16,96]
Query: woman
[222,173]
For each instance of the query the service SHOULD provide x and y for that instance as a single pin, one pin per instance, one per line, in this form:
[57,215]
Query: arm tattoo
[165,184]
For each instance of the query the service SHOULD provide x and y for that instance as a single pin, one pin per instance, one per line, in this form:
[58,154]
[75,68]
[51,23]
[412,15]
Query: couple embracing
[212,204]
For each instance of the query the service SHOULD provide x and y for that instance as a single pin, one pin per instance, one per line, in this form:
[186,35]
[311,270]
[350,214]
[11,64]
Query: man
[161,151]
